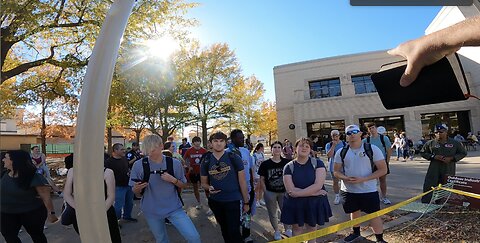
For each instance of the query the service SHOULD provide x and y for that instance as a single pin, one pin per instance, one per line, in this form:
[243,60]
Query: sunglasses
[352,132]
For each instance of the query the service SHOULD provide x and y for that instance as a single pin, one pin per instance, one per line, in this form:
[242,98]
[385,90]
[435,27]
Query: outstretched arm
[429,49]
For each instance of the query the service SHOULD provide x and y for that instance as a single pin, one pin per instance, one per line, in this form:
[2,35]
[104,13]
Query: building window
[3,126]
[363,84]
[392,124]
[325,88]
[323,129]
[457,122]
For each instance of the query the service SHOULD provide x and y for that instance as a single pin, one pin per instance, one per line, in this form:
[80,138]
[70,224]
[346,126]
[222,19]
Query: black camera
[158,172]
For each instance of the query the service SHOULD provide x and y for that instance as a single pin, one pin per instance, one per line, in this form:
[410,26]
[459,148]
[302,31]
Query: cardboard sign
[466,184]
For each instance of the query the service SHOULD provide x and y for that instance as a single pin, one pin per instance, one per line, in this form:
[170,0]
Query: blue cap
[441,126]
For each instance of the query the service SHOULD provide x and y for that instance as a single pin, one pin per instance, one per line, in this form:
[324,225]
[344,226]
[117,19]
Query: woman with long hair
[305,204]
[25,198]
[271,180]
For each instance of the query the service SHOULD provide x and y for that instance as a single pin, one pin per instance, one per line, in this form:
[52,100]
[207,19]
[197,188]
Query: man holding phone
[222,174]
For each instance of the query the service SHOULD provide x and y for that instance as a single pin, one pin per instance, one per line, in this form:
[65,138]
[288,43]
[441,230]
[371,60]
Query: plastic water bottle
[246,220]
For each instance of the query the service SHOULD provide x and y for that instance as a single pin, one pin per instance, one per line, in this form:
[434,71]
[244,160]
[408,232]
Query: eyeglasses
[352,132]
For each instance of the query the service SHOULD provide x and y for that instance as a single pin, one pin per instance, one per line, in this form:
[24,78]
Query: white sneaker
[337,199]
[248,239]
[257,204]
[209,212]
[386,201]
[277,235]
[288,232]
[262,202]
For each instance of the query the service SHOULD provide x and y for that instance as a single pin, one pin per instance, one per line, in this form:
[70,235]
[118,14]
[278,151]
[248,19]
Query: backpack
[147,172]
[314,164]
[410,143]
[368,151]
[381,140]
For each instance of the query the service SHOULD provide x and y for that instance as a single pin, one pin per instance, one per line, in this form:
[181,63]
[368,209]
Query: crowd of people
[293,184]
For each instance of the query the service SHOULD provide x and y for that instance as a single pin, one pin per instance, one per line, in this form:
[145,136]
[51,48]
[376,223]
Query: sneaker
[199,206]
[262,202]
[277,235]
[352,238]
[257,204]
[133,220]
[337,199]
[386,201]
[289,232]
[248,240]
[209,212]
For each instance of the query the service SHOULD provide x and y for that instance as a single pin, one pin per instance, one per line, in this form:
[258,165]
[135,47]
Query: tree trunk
[204,132]
[109,140]
[43,134]
[137,135]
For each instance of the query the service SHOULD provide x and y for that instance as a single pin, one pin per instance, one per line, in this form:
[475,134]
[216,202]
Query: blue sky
[268,33]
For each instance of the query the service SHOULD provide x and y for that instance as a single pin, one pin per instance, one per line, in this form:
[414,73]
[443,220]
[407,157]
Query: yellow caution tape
[468,194]
[351,223]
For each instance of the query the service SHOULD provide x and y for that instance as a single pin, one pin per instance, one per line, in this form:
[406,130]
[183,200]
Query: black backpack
[368,151]
[410,143]
[147,172]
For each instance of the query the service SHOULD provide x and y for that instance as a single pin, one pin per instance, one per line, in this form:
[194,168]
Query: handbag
[68,215]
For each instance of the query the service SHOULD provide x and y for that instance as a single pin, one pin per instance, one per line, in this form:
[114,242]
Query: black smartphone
[443,81]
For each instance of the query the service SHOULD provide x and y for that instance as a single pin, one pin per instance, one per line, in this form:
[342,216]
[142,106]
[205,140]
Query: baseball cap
[334,132]
[381,130]
[351,128]
[441,126]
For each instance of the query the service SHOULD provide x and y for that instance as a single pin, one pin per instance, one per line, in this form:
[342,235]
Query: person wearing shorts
[359,181]
[193,157]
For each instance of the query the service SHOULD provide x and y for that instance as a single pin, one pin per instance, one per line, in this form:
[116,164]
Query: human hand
[419,53]
[246,208]
[212,190]
[320,193]
[355,180]
[168,178]
[138,187]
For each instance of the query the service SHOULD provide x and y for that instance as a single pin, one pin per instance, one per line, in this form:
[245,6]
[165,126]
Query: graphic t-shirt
[193,156]
[223,175]
[273,174]
[258,159]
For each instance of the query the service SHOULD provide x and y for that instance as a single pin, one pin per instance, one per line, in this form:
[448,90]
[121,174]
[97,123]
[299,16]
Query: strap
[382,137]
[146,172]
[343,153]
[146,169]
[369,152]
[171,171]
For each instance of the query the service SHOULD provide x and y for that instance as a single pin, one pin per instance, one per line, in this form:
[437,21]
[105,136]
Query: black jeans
[227,215]
[33,222]
[112,226]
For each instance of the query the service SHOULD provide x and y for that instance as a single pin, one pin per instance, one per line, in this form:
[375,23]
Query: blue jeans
[123,200]
[179,219]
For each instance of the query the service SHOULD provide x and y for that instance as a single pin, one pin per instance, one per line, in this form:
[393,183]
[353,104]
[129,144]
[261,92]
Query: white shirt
[357,164]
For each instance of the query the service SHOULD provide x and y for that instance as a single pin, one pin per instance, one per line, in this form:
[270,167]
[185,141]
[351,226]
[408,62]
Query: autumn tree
[62,32]
[211,73]
[49,91]
[246,99]
[268,124]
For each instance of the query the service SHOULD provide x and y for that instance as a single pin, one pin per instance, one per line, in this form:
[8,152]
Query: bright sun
[162,48]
